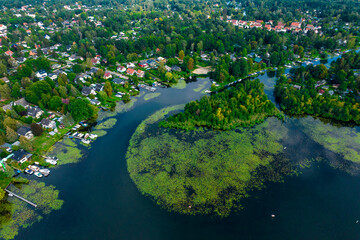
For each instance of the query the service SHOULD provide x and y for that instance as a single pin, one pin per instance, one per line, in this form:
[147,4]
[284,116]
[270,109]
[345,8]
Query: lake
[102,202]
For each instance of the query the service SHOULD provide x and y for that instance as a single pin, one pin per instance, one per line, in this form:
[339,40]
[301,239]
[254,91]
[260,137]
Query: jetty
[21,198]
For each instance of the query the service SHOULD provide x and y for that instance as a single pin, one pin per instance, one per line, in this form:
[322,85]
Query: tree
[190,64]
[80,109]
[55,103]
[62,91]
[5,91]
[108,89]
[162,69]
[168,76]
[126,98]
[36,129]
[181,55]
[26,144]
[33,92]
[100,73]
[11,135]
[25,82]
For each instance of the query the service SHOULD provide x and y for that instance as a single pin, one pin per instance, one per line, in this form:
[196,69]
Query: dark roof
[98,87]
[86,90]
[19,154]
[118,81]
[33,111]
[23,130]
[45,122]
[176,68]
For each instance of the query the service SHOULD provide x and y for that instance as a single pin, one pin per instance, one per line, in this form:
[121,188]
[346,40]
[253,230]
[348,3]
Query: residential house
[6,107]
[140,73]
[46,123]
[168,68]
[176,68]
[121,68]
[34,112]
[86,91]
[95,102]
[152,63]
[21,156]
[143,64]
[93,70]
[5,80]
[107,75]
[26,132]
[9,53]
[52,76]
[295,25]
[118,81]
[97,87]
[130,71]
[41,74]
[95,61]
[130,65]
[297,87]
[22,102]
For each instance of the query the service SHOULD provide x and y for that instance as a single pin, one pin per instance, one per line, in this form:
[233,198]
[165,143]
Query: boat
[86,141]
[45,172]
[34,168]
[86,136]
[29,171]
[51,161]
[80,135]
[38,174]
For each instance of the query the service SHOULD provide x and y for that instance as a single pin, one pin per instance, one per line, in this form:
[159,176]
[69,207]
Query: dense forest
[330,93]
[245,104]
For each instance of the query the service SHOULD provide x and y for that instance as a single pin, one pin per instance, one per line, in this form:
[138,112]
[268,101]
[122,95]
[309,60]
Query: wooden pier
[21,198]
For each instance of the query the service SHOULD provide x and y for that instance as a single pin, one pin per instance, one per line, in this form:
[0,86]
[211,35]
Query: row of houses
[280,27]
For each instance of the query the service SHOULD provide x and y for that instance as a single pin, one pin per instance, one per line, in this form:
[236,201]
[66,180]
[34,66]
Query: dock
[21,198]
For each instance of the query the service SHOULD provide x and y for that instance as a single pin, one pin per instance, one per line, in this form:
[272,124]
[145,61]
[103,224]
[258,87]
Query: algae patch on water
[205,172]
[181,84]
[344,141]
[23,215]
[150,96]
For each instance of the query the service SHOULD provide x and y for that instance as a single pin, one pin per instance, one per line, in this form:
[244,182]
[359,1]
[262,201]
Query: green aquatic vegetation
[119,108]
[201,86]
[150,96]
[341,140]
[69,155]
[109,123]
[181,84]
[23,215]
[67,151]
[206,172]
[100,133]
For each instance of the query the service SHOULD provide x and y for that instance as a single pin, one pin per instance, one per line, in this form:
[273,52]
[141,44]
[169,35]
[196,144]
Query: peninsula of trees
[245,104]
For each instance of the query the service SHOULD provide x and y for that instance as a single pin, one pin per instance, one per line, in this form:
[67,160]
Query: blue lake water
[101,201]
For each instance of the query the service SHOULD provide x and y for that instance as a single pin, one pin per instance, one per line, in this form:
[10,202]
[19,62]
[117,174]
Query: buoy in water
[357,221]
[272,215]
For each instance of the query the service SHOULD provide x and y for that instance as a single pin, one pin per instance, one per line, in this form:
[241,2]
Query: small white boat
[86,141]
[38,174]
[51,161]
[45,172]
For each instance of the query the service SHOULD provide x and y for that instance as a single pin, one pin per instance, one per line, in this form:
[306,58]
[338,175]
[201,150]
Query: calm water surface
[101,201]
